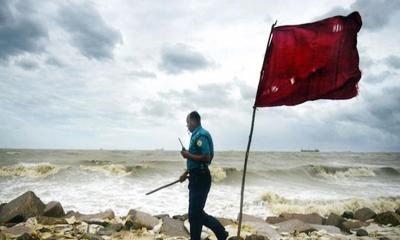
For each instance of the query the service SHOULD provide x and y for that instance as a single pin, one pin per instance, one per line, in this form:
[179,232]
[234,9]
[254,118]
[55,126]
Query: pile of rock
[27,217]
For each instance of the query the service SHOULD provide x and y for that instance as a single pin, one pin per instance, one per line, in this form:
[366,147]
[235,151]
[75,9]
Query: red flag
[311,61]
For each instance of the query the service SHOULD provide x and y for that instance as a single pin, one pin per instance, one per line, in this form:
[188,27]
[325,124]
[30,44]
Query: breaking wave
[219,174]
[279,204]
[30,170]
[111,169]
[339,172]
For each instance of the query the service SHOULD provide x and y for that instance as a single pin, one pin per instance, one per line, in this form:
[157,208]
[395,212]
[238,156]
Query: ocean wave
[219,174]
[279,204]
[113,169]
[30,170]
[339,172]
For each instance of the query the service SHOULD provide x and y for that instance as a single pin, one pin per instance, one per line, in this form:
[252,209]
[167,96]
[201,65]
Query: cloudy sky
[123,74]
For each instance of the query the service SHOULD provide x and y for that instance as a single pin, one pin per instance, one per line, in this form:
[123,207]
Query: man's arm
[196,157]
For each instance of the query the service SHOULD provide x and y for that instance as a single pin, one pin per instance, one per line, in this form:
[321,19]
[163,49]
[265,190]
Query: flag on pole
[311,61]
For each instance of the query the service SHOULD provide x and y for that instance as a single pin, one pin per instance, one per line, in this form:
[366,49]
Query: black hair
[195,116]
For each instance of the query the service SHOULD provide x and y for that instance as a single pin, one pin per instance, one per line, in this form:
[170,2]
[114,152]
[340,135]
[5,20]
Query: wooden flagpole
[249,142]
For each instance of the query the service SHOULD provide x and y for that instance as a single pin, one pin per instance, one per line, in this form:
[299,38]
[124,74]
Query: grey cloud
[246,91]
[88,31]
[27,64]
[20,31]
[393,61]
[142,74]
[54,61]
[375,14]
[207,96]
[156,108]
[377,78]
[180,58]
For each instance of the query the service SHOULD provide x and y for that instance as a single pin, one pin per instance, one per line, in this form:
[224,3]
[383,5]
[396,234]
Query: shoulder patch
[199,143]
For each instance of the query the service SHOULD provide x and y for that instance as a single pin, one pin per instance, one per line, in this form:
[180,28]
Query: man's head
[193,120]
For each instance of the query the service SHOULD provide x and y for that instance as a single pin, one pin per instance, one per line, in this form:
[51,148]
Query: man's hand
[185,154]
[183,177]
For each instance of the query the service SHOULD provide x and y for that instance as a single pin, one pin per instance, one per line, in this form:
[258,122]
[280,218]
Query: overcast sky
[124,74]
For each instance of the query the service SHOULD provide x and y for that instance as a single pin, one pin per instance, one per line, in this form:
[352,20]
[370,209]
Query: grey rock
[348,214]
[18,230]
[388,218]
[97,218]
[110,229]
[334,220]
[328,228]
[361,233]
[225,221]
[295,225]
[364,214]
[90,236]
[347,226]
[21,208]
[183,217]
[137,220]
[260,226]
[25,236]
[173,228]
[256,237]
[54,209]
[313,218]
[50,220]
[160,216]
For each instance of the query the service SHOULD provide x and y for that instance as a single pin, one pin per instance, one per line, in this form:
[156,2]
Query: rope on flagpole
[249,143]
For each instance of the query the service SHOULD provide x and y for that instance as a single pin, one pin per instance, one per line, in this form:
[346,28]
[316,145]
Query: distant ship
[309,150]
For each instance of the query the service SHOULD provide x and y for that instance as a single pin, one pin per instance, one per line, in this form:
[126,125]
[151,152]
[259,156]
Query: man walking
[198,157]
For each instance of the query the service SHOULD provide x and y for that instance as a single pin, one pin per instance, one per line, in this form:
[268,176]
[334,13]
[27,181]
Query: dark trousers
[199,186]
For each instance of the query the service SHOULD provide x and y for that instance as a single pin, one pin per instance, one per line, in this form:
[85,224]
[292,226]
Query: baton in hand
[183,148]
[157,189]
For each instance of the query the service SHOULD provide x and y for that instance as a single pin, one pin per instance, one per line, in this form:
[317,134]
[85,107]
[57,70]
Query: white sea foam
[278,204]
[338,172]
[217,173]
[108,169]
[30,170]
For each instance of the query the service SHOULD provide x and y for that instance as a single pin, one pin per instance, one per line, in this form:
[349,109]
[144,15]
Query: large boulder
[50,220]
[18,230]
[388,218]
[137,220]
[348,214]
[260,226]
[364,214]
[54,209]
[225,221]
[294,225]
[347,226]
[361,233]
[313,218]
[337,221]
[398,211]
[183,217]
[21,208]
[173,228]
[256,237]
[101,218]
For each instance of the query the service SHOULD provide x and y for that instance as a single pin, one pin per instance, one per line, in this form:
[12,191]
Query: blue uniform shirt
[200,143]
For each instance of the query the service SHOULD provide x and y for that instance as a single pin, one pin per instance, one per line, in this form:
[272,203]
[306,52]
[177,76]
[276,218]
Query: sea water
[90,181]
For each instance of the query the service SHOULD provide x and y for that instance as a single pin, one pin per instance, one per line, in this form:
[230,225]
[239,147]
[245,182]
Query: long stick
[157,189]
[249,143]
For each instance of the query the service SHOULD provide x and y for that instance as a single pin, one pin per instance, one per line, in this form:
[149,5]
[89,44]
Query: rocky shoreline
[27,217]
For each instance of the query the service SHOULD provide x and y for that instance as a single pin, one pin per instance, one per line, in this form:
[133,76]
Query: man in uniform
[199,156]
